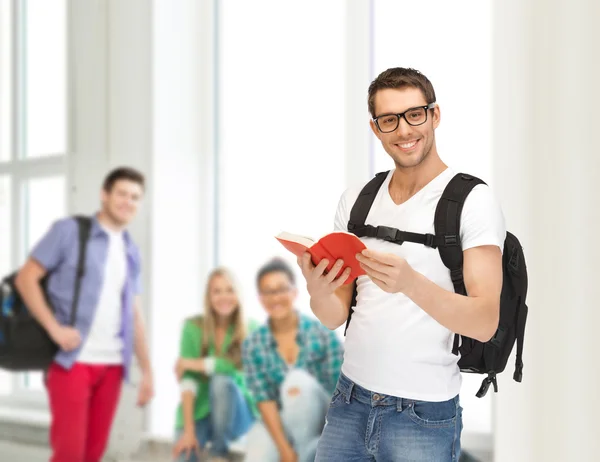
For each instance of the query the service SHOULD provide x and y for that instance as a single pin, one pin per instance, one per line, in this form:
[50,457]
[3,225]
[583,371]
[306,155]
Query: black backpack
[24,343]
[482,358]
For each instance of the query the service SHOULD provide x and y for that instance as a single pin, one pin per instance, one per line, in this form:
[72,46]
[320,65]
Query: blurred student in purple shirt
[84,382]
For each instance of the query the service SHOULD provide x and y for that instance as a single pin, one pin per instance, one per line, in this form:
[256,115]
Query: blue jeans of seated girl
[229,419]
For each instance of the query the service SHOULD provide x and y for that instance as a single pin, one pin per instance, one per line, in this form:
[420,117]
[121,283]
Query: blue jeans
[230,418]
[366,426]
[302,415]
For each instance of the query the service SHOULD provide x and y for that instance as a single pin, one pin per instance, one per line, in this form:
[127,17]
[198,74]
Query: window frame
[21,169]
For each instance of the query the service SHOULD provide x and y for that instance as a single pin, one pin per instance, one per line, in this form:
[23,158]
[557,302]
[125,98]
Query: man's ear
[375,129]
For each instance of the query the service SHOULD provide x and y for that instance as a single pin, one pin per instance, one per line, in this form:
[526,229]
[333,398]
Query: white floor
[10,452]
[14,452]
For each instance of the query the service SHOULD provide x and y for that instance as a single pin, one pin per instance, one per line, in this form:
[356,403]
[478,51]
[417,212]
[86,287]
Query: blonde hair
[208,321]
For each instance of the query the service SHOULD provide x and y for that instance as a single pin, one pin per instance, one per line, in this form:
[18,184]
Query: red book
[333,246]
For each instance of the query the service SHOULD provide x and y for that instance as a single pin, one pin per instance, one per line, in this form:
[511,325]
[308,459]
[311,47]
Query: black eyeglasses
[387,123]
[275,292]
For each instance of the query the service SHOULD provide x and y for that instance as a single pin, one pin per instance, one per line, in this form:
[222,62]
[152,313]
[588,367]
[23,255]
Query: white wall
[546,95]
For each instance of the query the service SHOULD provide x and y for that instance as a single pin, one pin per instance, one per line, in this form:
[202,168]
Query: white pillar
[110,125]
[358,78]
[546,99]
[183,184]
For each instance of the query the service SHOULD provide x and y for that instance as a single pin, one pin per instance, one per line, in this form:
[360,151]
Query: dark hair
[275,265]
[123,173]
[400,77]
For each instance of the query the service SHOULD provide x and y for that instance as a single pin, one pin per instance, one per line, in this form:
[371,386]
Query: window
[5,246]
[280,131]
[5,79]
[45,81]
[33,137]
[451,43]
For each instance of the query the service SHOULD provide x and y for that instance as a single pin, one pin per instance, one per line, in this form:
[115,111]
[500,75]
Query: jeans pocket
[434,415]
[338,398]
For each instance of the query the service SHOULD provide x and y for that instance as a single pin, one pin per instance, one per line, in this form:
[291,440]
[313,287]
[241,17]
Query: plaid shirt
[321,354]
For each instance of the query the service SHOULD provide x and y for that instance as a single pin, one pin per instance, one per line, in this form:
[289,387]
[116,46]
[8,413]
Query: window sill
[23,425]
[20,415]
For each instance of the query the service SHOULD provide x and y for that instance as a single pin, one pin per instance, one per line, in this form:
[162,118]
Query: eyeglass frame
[402,115]
[276,292]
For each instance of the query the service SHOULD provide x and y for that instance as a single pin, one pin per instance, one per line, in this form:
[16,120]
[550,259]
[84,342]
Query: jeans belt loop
[349,392]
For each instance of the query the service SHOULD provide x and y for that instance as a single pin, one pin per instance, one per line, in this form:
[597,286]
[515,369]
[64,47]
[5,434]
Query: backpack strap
[361,208]
[447,229]
[84,225]
[358,216]
[521,318]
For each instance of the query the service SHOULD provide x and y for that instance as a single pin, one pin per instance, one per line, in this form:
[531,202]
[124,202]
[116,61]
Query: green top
[191,344]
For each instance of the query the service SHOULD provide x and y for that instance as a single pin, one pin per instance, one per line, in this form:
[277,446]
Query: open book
[333,246]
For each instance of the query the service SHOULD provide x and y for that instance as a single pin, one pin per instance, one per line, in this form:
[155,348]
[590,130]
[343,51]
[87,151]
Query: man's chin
[409,160]
[279,314]
[122,220]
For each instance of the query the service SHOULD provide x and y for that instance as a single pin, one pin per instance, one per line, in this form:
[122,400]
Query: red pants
[83,401]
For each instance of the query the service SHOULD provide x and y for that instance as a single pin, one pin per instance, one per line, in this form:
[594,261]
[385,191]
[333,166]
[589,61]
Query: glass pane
[270,126]
[45,70]
[5,79]
[45,200]
[5,257]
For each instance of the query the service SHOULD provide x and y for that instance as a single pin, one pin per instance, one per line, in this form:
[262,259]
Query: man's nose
[404,128]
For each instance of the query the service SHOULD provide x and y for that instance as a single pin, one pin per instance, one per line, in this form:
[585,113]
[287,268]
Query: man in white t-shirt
[397,396]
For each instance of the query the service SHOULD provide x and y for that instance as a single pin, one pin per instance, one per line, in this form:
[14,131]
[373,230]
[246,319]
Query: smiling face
[277,294]
[408,145]
[121,201]
[222,297]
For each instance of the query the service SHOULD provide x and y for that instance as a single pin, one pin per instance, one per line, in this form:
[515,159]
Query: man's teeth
[408,145]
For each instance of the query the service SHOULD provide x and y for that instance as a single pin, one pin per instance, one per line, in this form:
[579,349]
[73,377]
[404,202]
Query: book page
[302,240]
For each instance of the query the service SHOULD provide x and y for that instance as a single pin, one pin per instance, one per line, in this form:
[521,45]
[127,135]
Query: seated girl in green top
[215,404]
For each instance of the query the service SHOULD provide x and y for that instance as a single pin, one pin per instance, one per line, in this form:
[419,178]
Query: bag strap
[521,318]
[447,226]
[362,206]
[398,237]
[358,216]
[84,225]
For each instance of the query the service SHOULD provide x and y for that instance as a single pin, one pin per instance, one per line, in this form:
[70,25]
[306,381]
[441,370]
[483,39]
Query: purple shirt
[58,253]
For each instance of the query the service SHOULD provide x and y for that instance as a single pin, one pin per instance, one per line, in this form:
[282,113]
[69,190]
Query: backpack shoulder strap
[447,231]
[358,216]
[447,225]
[361,207]
[84,225]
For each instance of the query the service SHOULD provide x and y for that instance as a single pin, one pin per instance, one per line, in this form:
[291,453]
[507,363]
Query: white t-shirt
[393,346]
[104,344]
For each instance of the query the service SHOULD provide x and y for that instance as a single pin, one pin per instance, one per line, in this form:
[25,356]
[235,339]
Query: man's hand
[389,272]
[188,445]
[287,454]
[319,284]
[66,337]
[146,390]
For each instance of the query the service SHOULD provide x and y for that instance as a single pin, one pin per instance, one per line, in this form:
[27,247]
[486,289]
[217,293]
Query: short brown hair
[275,265]
[123,173]
[400,77]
